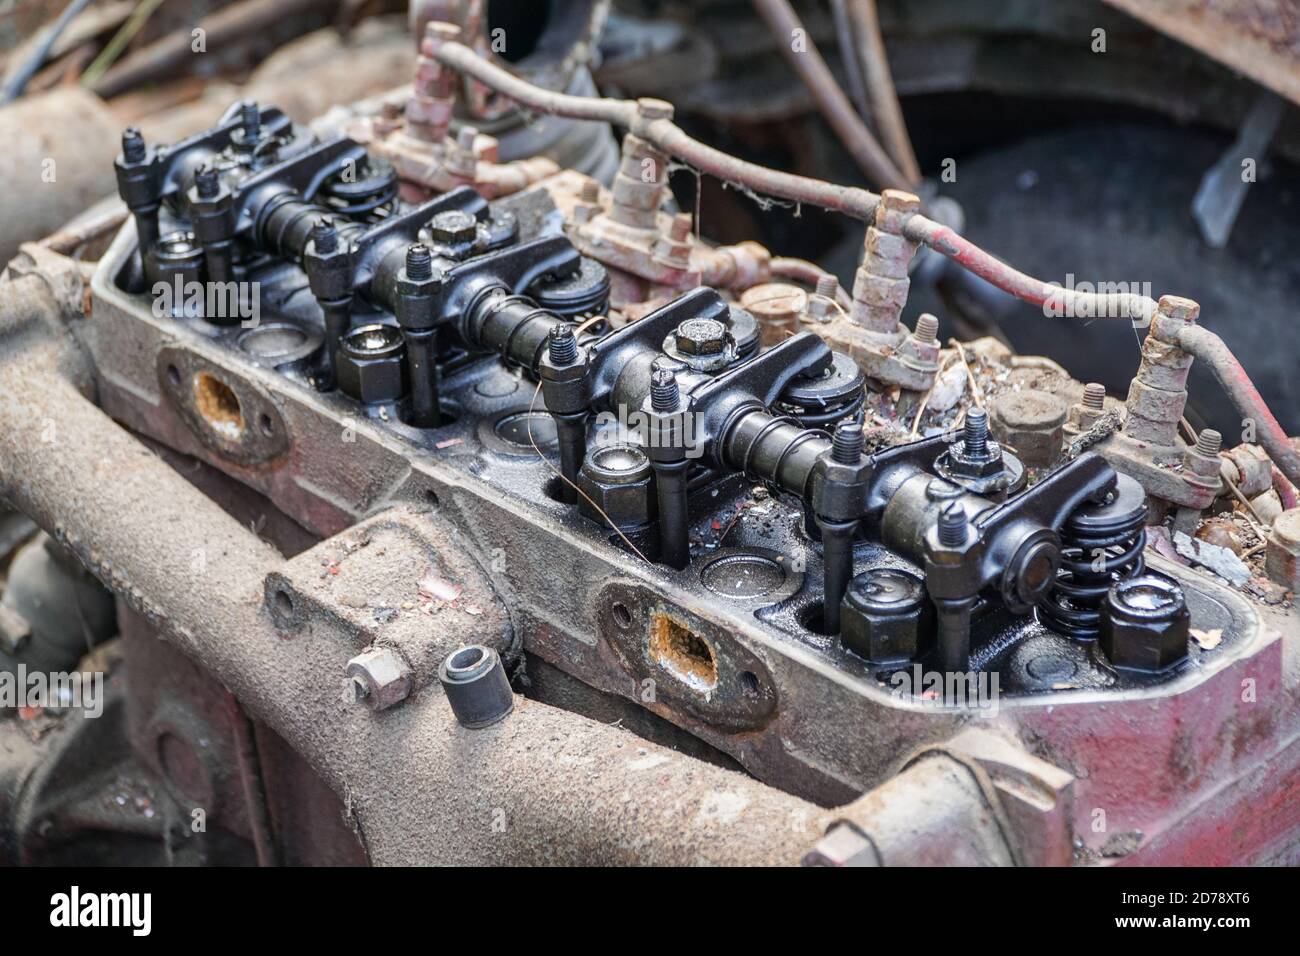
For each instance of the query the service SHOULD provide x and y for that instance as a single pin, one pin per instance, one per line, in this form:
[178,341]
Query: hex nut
[617,478]
[380,678]
[1145,624]
[1032,422]
[843,845]
[885,616]
[1282,554]
[453,227]
[701,337]
[372,364]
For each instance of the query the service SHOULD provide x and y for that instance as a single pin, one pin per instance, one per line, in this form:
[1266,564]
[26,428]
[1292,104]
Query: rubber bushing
[476,686]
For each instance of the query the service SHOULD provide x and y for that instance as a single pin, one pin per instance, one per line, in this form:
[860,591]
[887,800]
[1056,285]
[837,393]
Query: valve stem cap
[476,685]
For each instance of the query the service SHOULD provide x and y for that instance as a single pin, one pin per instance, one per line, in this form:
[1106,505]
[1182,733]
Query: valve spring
[1101,544]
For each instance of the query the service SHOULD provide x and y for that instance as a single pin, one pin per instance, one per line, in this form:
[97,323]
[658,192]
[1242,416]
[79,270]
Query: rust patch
[218,405]
[683,653]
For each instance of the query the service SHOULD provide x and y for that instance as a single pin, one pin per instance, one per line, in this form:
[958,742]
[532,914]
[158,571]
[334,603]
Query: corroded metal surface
[1260,38]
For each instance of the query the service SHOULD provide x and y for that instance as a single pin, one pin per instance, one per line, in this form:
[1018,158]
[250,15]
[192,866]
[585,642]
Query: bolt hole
[622,616]
[173,375]
[283,604]
[749,684]
[264,422]
[466,658]
[813,618]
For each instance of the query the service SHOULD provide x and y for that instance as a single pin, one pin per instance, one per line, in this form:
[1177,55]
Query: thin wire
[14,88]
[599,510]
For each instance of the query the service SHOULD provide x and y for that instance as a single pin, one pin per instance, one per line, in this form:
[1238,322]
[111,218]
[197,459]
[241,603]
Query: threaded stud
[976,433]
[1208,442]
[251,119]
[848,443]
[206,182]
[1094,396]
[324,235]
[827,286]
[927,328]
[133,148]
[664,391]
[419,262]
[952,526]
[562,345]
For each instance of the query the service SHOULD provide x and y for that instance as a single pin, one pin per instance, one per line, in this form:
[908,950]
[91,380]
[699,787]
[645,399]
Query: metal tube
[1205,346]
[674,520]
[796,45]
[864,20]
[859,203]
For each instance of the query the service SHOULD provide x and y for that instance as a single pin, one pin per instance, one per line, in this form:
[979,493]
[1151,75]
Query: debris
[1158,540]
[438,589]
[948,388]
[1221,532]
[448,442]
[1213,558]
[1208,640]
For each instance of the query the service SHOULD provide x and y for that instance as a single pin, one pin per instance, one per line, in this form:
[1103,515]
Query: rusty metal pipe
[971,257]
[858,203]
[788,31]
[663,133]
[864,22]
[1205,346]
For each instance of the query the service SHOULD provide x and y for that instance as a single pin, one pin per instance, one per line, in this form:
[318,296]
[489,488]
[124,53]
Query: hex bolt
[380,678]
[886,617]
[476,686]
[453,227]
[1094,397]
[133,146]
[1208,442]
[848,443]
[952,526]
[665,394]
[419,262]
[976,433]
